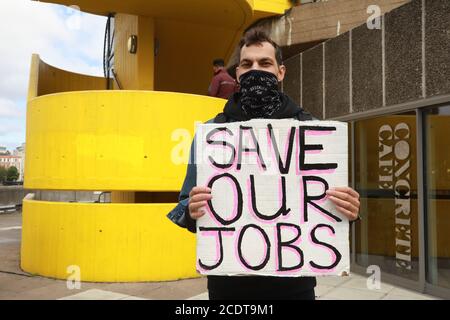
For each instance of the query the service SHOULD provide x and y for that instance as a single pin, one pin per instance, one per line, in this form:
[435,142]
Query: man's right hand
[197,201]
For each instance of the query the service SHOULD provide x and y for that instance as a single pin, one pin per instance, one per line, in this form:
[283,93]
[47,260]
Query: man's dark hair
[258,36]
[218,63]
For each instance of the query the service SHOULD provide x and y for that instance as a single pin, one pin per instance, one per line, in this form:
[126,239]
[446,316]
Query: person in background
[222,84]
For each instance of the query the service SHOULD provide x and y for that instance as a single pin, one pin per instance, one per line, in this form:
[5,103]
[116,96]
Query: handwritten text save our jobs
[269,214]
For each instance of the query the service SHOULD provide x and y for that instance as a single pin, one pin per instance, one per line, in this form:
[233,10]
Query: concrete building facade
[392,84]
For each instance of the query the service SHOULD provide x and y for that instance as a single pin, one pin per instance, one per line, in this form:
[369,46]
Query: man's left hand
[346,201]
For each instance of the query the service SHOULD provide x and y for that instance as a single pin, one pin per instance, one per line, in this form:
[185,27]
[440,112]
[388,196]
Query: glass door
[437,191]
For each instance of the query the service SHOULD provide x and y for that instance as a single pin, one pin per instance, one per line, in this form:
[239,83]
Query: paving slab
[341,293]
[332,280]
[361,283]
[412,295]
[96,294]
[202,296]
[322,289]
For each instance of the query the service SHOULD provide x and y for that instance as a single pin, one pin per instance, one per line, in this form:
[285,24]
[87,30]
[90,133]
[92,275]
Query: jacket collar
[233,109]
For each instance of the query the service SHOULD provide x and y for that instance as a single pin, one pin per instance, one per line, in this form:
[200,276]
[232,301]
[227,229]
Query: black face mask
[260,97]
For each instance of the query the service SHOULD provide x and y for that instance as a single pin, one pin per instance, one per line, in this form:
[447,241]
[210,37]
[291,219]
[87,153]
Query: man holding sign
[262,189]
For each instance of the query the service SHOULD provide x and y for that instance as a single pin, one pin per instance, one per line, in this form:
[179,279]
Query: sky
[63,37]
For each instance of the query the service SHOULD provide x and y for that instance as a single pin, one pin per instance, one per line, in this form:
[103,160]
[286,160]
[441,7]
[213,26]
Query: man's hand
[197,200]
[346,201]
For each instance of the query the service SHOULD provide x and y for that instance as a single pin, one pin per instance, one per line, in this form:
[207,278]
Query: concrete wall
[72,196]
[307,25]
[135,71]
[367,69]
[46,79]
[13,195]
[325,20]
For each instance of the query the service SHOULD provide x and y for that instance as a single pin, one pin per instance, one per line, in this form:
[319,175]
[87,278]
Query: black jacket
[243,287]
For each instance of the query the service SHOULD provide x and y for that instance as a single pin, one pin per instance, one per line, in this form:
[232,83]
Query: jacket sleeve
[180,214]
[214,87]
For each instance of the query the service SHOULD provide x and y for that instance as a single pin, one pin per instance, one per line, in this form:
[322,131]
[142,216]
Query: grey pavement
[18,285]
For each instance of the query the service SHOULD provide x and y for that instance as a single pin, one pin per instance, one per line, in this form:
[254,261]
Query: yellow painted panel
[108,242]
[184,63]
[214,12]
[112,140]
[125,63]
[53,80]
[124,197]
[207,9]
[34,77]
[271,6]
[134,71]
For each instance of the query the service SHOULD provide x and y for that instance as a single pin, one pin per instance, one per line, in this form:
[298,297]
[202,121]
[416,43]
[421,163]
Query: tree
[2,174]
[12,174]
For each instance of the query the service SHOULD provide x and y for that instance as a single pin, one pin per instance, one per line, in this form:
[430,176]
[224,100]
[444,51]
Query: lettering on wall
[394,174]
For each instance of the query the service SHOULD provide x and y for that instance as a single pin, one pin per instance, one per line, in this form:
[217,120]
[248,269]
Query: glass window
[437,188]
[385,177]
[350,133]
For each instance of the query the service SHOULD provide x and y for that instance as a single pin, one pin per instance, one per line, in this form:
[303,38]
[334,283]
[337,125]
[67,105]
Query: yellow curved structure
[81,137]
[118,140]
[112,140]
[225,13]
[107,242]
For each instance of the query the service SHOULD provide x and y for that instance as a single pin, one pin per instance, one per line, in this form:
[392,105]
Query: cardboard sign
[269,214]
